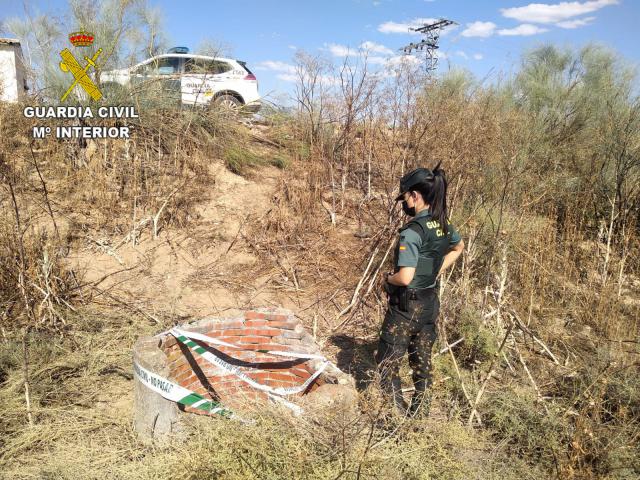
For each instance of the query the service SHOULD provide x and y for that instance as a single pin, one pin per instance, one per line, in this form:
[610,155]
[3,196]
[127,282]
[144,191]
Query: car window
[244,65]
[202,66]
[162,66]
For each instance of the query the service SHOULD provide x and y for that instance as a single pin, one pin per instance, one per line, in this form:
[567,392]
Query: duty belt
[419,293]
[401,295]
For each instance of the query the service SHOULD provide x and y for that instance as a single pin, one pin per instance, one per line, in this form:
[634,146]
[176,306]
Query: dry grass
[82,423]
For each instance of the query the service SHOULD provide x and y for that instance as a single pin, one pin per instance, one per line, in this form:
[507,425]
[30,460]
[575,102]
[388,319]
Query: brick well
[261,329]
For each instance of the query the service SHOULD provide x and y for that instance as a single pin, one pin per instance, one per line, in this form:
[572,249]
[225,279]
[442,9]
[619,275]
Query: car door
[202,79]
[197,81]
[227,77]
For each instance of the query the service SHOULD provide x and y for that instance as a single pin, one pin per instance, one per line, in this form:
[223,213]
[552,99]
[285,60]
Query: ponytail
[434,192]
[438,201]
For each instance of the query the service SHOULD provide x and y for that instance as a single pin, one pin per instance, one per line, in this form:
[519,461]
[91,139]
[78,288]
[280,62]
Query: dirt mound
[186,272]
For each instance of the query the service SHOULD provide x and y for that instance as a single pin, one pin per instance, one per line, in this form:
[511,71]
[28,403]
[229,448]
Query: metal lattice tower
[429,44]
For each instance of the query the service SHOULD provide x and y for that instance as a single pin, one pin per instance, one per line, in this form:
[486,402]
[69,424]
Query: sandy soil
[189,272]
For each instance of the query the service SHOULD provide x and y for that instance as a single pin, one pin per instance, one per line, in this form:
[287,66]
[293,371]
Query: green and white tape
[291,406]
[184,337]
[177,393]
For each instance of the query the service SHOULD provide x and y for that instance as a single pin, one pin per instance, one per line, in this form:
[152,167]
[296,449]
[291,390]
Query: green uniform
[410,321]
[426,256]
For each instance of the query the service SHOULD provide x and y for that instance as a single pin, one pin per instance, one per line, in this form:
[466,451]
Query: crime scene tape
[292,406]
[177,393]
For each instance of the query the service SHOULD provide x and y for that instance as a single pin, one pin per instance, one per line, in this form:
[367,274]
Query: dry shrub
[480,343]
[36,288]
[548,213]
[601,417]
[516,418]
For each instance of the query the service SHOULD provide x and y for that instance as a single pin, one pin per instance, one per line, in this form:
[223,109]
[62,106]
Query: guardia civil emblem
[71,65]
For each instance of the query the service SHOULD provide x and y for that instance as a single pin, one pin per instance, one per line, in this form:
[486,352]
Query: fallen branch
[359,285]
[156,218]
[528,331]
[372,282]
[132,234]
[533,382]
[265,140]
[445,349]
[235,239]
[128,305]
[508,363]
[106,249]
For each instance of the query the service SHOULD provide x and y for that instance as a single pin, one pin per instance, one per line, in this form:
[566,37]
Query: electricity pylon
[429,44]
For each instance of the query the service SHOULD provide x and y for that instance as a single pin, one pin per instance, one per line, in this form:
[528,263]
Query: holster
[398,296]
[401,296]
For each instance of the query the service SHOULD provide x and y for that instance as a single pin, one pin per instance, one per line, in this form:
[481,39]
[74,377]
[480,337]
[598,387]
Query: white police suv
[195,79]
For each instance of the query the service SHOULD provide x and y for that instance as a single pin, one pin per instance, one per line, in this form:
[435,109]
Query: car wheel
[227,104]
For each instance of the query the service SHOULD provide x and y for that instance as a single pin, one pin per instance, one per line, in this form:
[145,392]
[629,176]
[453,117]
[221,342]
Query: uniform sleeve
[454,236]
[410,243]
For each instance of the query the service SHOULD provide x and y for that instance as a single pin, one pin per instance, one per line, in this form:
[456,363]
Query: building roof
[9,41]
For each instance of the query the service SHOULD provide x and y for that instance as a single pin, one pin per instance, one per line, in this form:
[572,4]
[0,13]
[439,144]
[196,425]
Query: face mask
[411,211]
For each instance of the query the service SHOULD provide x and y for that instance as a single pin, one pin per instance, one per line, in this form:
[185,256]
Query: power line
[429,44]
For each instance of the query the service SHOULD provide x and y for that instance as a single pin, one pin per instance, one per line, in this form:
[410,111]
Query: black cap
[413,178]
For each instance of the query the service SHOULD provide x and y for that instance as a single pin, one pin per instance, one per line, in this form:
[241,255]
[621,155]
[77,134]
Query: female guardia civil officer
[427,246]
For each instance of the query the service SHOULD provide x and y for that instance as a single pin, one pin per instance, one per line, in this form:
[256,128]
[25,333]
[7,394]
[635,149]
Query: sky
[488,41]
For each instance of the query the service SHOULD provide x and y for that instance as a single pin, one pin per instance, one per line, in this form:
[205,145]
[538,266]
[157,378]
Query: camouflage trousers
[412,331]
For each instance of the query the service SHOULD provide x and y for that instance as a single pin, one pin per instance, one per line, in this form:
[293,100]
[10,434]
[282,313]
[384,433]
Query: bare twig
[372,282]
[106,249]
[528,331]
[448,347]
[361,282]
[526,369]
[156,217]
[235,239]
[45,191]
[25,367]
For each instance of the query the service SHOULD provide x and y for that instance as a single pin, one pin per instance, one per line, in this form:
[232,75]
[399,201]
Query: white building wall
[12,74]
[21,73]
